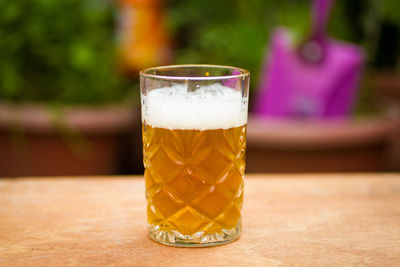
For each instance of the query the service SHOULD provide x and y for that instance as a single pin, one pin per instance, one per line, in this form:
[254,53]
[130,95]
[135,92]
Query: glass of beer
[194,120]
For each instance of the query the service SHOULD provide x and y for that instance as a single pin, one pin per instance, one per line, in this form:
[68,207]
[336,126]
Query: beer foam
[209,107]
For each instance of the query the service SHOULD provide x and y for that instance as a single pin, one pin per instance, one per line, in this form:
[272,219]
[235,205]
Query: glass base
[199,239]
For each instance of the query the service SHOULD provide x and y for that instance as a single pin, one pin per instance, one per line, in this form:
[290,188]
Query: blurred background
[69,88]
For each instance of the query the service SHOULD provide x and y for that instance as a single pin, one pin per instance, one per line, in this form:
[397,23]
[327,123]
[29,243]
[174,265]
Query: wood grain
[319,220]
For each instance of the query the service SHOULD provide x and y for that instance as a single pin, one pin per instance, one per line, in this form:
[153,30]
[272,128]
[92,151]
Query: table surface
[309,219]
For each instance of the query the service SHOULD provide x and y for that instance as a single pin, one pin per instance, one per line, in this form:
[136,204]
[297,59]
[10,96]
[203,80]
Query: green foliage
[236,32]
[59,51]
[231,32]
[365,22]
[391,11]
[64,50]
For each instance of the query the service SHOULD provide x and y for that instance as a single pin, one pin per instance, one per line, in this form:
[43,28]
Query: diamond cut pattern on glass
[164,166]
[167,203]
[211,203]
[152,186]
[153,214]
[188,220]
[212,165]
[194,181]
[188,186]
[230,214]
[189,144]
[230,182]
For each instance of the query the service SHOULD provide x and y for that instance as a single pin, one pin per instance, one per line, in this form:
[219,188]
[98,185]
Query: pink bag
[318,79]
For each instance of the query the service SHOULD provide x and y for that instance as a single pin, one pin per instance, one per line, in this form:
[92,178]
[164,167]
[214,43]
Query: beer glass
[194,120]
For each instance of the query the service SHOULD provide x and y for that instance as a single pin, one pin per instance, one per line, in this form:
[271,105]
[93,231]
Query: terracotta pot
[360,145]
[36,140]
[386,83]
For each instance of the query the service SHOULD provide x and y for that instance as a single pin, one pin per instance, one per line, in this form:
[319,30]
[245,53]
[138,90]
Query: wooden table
[323,220]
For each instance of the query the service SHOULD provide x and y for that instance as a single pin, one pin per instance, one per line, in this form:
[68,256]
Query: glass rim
[243,72]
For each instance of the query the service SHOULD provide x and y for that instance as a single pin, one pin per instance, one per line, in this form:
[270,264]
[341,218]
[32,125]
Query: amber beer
[194,181]
[194,139]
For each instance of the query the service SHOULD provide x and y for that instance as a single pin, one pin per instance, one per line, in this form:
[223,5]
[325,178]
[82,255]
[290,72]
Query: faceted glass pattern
[194,184]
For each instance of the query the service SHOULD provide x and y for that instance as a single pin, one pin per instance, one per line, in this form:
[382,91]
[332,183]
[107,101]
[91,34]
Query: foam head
[209,107]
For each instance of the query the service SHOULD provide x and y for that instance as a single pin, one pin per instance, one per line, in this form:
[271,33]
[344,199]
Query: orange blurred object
[142,36]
